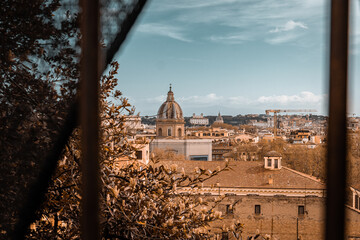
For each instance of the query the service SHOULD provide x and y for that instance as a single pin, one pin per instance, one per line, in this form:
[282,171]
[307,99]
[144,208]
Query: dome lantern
[170,109]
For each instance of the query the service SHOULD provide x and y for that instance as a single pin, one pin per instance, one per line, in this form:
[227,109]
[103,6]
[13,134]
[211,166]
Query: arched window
[160,132]
[179,132]
[169,131]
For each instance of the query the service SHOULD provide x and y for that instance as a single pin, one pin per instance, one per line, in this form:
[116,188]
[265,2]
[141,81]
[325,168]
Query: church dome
[170,109]
[219,119]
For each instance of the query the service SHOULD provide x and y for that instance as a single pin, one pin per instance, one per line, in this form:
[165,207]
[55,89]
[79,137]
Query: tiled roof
[252,174]
[272,154]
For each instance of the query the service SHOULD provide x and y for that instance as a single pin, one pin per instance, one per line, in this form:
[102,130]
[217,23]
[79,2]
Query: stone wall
[279,216]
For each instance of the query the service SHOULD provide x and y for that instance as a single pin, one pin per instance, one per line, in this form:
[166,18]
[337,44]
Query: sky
[234,56]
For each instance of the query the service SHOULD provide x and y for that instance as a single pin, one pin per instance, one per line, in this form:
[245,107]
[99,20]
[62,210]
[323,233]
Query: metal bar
[337,141]
[89,118]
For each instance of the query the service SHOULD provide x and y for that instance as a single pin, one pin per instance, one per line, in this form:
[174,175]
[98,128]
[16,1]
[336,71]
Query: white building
[192,149]
[199,120]
[133,122]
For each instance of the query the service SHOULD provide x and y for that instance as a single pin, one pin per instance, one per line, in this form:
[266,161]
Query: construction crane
[276,111]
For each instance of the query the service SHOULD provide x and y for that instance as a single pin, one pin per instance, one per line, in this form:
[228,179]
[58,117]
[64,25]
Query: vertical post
[89,77]
[337,141]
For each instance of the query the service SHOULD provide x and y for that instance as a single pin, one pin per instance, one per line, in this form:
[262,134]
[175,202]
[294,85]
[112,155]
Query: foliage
[163,155]
[137,200]
[38,73]
[312,161]
[298,157]
[39,76]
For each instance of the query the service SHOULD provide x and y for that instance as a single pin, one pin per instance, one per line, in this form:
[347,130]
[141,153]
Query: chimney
[271,180]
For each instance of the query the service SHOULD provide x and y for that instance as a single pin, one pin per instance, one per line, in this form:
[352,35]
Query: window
[357,201]
[257,209]
[229,209]
[179,132]
[169,131]
[276,163]
[138,155]
[301,210]
[269,162]
[199,157]
[160,131]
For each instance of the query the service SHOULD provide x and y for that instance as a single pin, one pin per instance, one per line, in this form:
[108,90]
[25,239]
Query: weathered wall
[352,223]
[278,218]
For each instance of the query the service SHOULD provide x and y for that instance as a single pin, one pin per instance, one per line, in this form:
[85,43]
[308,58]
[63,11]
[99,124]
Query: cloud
[288,32]
[231,38]
[282,38]
[235,22]
[289,25]
[211,102]
[305,97]
[189,4]
[302,98]
[209,99]
[163,30]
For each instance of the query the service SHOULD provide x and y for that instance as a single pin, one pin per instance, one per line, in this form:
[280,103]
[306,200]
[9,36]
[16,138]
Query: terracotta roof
[272,154]
[248,148]
[251,174]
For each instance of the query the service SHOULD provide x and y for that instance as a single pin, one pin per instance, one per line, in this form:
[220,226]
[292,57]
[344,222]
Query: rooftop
[251,175]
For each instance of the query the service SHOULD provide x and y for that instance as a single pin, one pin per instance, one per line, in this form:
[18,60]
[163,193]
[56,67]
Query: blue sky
[233,56]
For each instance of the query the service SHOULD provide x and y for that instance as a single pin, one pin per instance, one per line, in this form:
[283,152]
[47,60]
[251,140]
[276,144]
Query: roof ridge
[304,175]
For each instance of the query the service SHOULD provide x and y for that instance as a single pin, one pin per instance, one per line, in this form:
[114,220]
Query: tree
[38,72]
[298,157]
[137,200]
[167,154]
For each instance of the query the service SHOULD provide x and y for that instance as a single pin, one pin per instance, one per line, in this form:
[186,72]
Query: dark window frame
[269,162]
[301,210]
[257,209]
[276,163]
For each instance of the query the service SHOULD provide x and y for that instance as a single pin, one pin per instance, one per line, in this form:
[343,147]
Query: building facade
[269,199]
[199,120]
[192,149]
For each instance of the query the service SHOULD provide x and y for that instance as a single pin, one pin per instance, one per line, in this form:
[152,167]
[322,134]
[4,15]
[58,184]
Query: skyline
[236,57]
